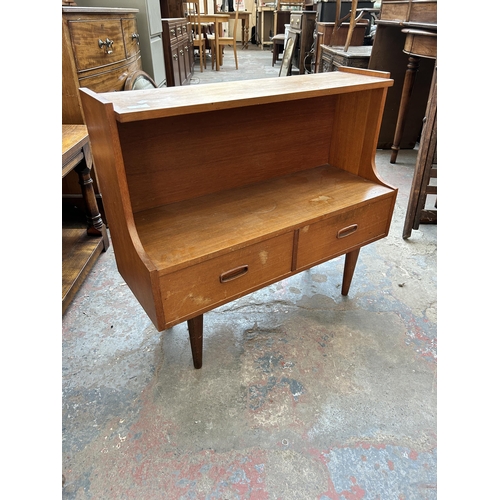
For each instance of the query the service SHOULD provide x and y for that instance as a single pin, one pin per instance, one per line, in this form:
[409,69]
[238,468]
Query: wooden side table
[418,44]
[81,242]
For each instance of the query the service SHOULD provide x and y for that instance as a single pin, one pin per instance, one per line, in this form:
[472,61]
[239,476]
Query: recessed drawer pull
[346,231]
[233,274]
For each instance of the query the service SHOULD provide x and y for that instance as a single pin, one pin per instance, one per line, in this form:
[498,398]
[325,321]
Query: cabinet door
[176,66]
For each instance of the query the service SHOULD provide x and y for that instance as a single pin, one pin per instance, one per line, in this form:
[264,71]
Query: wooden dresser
[178,51]
[100,48]
[192,231]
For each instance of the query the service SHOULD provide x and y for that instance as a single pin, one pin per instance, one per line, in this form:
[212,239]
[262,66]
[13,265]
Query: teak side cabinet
[217,192]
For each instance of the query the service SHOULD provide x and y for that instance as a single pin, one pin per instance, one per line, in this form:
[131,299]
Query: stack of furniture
[388,55]
[194,231]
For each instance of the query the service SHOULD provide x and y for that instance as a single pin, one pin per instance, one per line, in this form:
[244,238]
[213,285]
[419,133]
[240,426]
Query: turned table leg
[94,220]
[195,327]
[410,74]
[350,264]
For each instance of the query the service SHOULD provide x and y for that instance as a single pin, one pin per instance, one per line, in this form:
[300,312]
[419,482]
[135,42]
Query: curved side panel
[133,263]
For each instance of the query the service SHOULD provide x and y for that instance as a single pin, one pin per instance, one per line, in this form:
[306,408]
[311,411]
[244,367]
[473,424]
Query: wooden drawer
[131,37]
[296,21]
[110,81]
[191,291]
[339,234]
[88,35]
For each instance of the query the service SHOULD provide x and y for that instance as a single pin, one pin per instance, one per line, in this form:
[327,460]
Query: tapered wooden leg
[350,264]
[195,327]
[411,71]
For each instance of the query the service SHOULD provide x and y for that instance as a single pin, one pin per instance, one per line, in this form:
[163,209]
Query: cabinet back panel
[169,160]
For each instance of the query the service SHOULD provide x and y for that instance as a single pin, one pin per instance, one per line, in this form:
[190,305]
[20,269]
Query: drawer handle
[346,231]
[135,36]
[237,272]
[108,43]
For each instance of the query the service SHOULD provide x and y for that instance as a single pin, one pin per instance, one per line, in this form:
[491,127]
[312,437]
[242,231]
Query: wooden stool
[278,41]
[418,44]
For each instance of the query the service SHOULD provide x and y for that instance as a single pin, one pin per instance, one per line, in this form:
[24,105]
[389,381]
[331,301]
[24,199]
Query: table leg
[94,220]
[350,264]
[195,327]
[244,33]
[411,71]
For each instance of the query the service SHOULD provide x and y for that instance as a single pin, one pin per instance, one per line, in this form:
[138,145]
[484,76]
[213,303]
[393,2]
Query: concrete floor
[304,394]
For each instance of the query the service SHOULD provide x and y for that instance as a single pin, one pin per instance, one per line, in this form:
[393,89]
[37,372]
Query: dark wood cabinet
[302,24]
[178,51]
[170,8]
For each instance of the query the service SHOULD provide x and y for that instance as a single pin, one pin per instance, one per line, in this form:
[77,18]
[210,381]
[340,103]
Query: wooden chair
[191,10]
[353,20]
[216,49]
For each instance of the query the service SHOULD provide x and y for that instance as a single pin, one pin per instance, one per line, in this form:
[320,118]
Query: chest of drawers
[100,48]
[193,231]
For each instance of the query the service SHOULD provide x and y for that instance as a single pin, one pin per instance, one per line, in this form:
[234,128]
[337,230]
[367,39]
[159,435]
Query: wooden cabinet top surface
[160,103]
[98,10]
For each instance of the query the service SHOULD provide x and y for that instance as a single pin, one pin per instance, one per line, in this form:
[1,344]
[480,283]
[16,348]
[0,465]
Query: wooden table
[81,243]
[245,26]
[217,20]
[418,44]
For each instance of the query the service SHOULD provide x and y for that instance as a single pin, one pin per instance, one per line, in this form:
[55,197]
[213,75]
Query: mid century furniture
[100,48]
[355,57]
[387,55]
[425,170]
[418,44]
[192,232]
[150,31]
[178,51]
[303,24]
[82,242]
[219,42]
